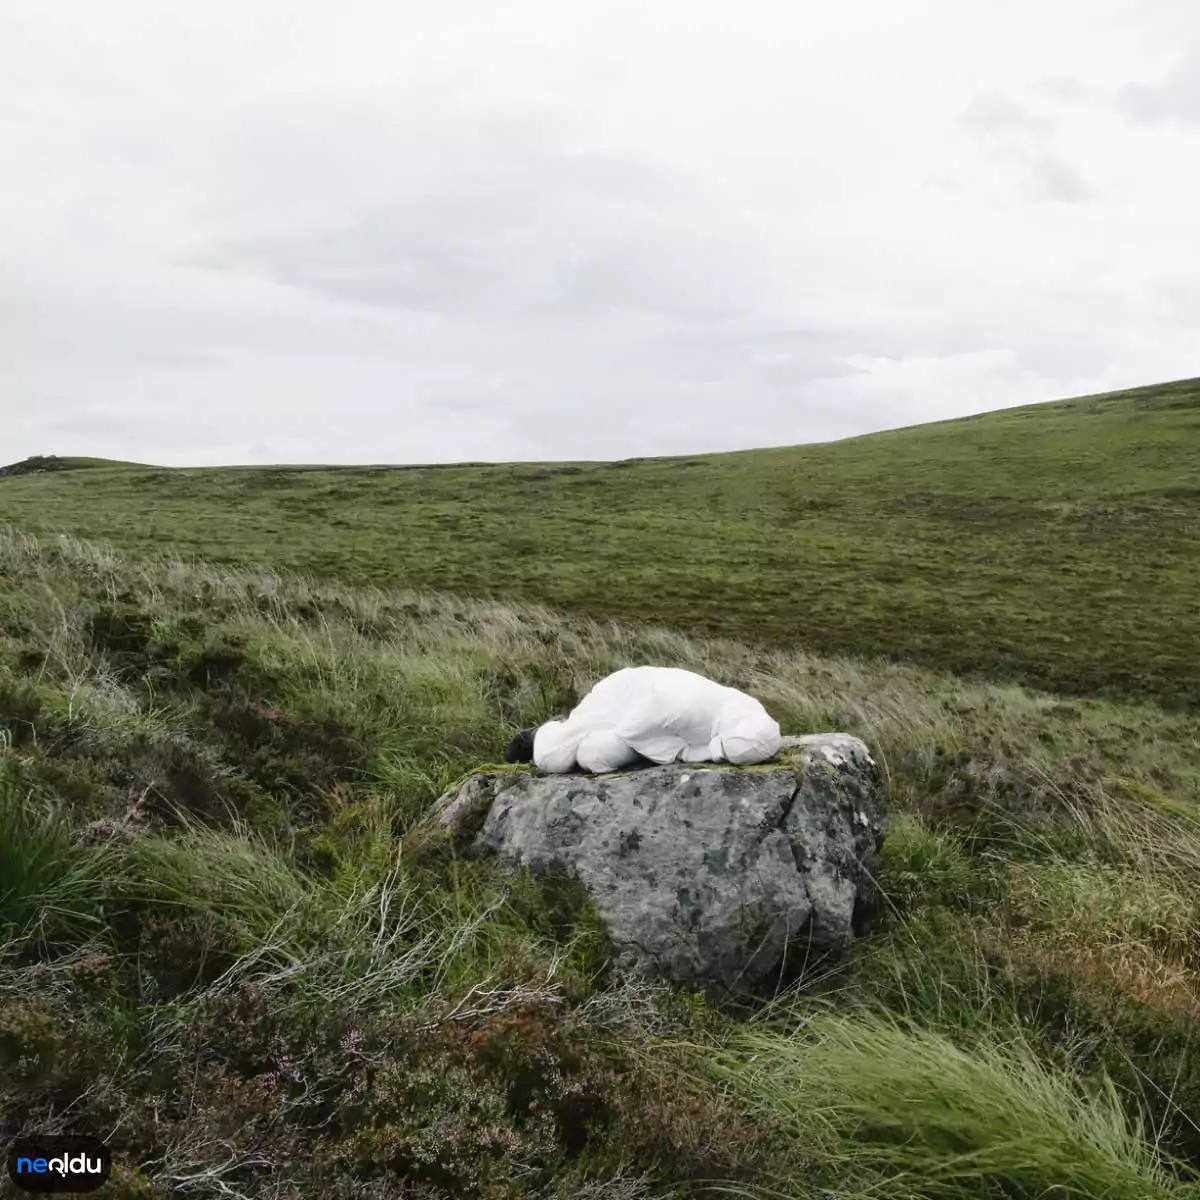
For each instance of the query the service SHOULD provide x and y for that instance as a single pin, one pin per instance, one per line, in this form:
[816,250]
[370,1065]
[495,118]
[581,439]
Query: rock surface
[733,876]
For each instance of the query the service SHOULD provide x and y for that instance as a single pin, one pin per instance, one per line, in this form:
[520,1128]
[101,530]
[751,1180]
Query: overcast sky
[283,231]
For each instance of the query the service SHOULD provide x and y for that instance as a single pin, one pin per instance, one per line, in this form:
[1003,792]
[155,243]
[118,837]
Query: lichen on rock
[726,876]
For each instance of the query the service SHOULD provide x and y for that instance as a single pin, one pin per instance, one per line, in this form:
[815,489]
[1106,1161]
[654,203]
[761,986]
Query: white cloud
[266,231]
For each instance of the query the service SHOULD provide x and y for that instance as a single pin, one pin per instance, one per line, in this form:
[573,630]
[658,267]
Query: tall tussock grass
[894,1108]
[230,945]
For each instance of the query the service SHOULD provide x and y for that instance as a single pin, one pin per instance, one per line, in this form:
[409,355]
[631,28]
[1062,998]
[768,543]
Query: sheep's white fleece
[664,714]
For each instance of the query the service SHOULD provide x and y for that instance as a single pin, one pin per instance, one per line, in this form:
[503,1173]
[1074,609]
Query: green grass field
[1056,545]
[228,943]
[231,945]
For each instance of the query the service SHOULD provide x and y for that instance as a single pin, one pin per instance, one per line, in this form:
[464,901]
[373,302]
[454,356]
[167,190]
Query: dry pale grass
[1138,972]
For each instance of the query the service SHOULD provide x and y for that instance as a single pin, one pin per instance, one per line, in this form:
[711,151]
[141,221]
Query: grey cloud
[993,112]
[1058,179]
[501,225]
[1063,89]
[1019,135]
[1173,99]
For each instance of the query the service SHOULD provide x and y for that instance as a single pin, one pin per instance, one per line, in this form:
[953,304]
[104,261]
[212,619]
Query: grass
[40,463]
[229,946]
[1055,545]
[905,1110]
[45,881]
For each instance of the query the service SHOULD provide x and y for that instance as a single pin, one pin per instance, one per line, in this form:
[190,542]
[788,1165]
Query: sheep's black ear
[520,749]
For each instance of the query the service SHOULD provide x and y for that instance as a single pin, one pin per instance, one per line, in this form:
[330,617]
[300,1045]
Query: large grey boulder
[733,876]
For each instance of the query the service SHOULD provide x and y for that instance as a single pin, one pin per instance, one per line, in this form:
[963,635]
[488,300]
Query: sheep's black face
[520,749]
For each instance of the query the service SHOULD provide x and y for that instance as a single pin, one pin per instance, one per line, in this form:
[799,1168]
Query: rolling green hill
[232,945]
[40,464]
[1056,544]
